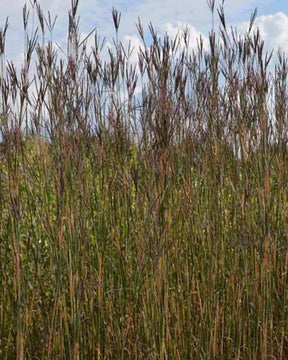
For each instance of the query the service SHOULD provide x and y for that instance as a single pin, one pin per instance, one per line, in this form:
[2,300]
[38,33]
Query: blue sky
[166,15]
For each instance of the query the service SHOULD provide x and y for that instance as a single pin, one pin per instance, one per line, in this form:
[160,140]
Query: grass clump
[143,225]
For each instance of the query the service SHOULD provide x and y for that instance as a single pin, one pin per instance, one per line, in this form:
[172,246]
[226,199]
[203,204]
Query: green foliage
[158,233]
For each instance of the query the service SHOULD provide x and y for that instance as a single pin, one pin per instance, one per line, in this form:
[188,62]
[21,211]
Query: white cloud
[135,45]
[273,30]
[194,34]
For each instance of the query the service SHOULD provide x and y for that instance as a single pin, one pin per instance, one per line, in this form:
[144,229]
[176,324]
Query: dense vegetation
[149,225]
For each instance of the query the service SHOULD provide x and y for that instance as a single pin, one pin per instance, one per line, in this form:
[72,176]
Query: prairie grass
[147,225]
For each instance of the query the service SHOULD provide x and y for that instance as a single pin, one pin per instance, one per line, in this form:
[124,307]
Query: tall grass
[149,225]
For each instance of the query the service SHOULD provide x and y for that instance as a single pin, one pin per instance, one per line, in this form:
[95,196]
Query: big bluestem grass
[149,225]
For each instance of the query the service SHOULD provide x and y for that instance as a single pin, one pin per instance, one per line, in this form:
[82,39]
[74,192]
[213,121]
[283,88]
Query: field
[145,224]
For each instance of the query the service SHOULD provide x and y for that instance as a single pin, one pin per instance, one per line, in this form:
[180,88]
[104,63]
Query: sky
[166,16]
